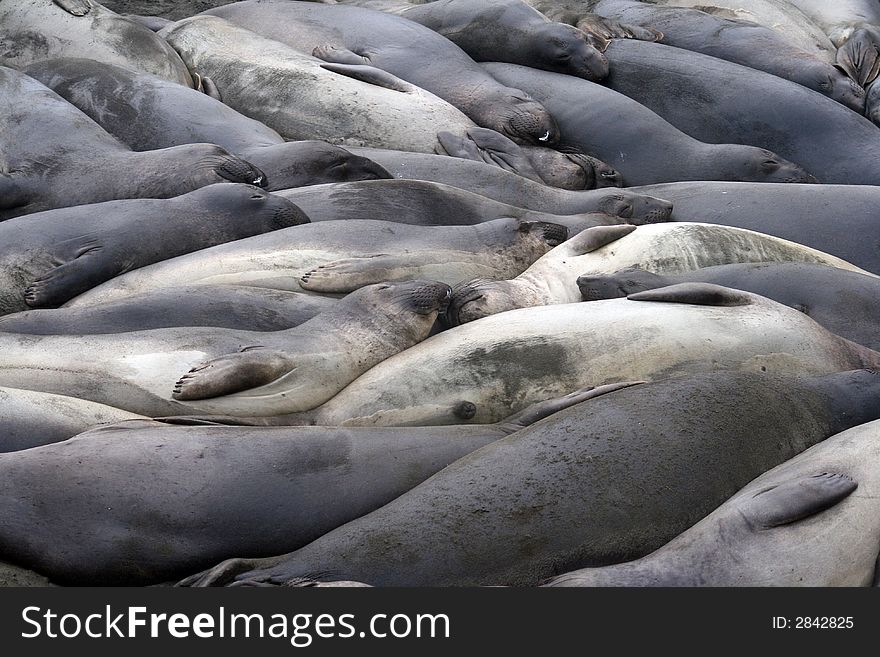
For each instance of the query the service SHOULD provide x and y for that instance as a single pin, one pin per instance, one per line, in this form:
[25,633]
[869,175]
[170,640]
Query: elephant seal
[48,258]
[811,521]
[504,31]
[18,577]
[495,182]
[830,218]
[779,15]
[302,97]
[146,113]
[339,257]
[667,249]
[48,29]
[484,370]
[318,478]
[225,371]
[844,302]
[223,306]
[173,10]
[607,480]
[649,149]
[599,28]
[348,37]
[426,203]
[718,101]
[740,42]
[30,419]
[57,157]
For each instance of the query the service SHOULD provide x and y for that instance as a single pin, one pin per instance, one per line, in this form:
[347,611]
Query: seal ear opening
[796,499]
[698,294]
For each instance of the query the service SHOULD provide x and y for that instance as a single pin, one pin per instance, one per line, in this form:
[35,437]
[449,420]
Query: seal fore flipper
[225,375]
[796,499]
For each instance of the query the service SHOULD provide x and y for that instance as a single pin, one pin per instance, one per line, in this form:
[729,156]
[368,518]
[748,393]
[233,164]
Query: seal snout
[471,300]
[429,296]
[237,170]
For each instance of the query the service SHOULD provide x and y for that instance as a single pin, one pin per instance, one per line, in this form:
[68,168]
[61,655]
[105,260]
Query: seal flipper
[859,57]
[210,89]
[335,55]
[86,268]
[75,7]
[699,294]
[796,499]
[252,367]
[349,274]
[370,75]
[490,147]
[595,238]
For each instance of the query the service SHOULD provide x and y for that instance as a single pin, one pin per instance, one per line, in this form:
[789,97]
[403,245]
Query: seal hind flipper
[796,499]
[349,274]
[595,238]
[859,57]
[86,267]
[370,75]
[75,7]
[225,375]
[700,294]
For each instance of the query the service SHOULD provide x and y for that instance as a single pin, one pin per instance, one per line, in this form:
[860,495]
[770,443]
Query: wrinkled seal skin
[42,29]
[528,507]
[302,97]
[227,371]
[599,28]
[811,521]
[831,218]
[741,42]
[146,113]
[342,256]
[30,419]
[48,258]
[503,362]
[719,101]
[356,36]
[223,306]
[134,526]
[57,157]
[172,10]
[842,301]
[504,31]
[649,149]
[670,248]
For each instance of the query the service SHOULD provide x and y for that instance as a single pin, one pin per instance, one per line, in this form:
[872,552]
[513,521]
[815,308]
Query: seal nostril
[465,410]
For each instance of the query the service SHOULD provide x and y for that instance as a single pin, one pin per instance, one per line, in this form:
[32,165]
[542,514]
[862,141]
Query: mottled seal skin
[14,576]
[302,97]
[741,42]
[831,218]
[182,371]
[667,249]
[146,113]
[47,29]
[139,484]
[528,507]
[353,36]
[56,156]
[498,364]
[504,31]
[842,301]
[30,419]
[173,10]
[342,256]
[719,101]
[223,306]
[48,258]
[649,149]
[811,521]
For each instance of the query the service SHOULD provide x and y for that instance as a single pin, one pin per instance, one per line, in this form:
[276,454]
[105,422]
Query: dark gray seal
[128,506]
[48,258]
[605,481]
[47,29]
[504,31]
[223,306]
[831,218]
[844,302]
[352,36]
[57,157]
[811,521]
[741,42]
[599,28]
[146,113]
[718,101]
[636,141]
